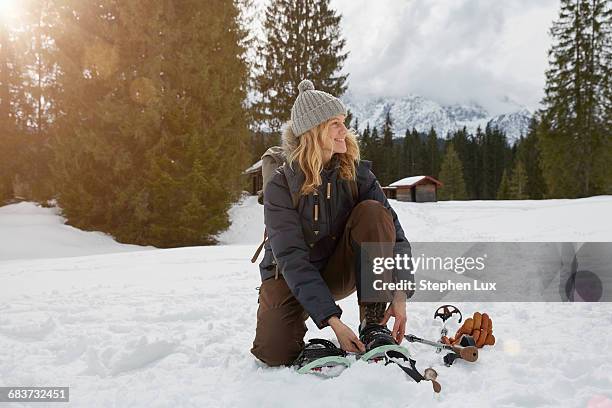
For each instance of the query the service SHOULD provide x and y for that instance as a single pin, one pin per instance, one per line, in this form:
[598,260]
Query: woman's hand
[346,337]
[397,309]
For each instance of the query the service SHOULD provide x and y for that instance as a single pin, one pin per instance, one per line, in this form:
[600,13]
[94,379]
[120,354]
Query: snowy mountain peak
[514,124]
[414,111]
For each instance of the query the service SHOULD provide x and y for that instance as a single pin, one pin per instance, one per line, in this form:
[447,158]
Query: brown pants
[281,327]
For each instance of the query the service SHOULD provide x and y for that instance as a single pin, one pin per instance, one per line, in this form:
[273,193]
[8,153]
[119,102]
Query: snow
[407,181]
[247,223]
[255,166]
[563,220]
[173,327]
[30,231]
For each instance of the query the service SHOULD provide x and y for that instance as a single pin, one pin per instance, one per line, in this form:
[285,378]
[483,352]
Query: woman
[312,255]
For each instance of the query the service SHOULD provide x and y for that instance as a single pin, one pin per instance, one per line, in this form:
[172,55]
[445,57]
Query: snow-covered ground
[173,327]
[28,231]
[587,219]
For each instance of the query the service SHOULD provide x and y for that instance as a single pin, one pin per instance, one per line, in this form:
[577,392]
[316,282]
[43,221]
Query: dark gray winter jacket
[293,247]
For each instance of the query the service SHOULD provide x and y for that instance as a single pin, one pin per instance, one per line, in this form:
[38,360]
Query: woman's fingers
[359,345]
[402,331]
[387,315]
[354,346]
[347,345]
[396,328]
[350,347]
[349,341]
[399,329]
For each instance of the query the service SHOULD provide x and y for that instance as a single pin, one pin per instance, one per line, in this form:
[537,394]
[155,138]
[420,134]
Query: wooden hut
[255,178]
[418,189]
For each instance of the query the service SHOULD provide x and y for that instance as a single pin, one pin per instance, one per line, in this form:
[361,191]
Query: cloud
[451,51]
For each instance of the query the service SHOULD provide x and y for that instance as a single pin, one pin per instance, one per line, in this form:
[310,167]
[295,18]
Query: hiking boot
[321,356]
[375,335]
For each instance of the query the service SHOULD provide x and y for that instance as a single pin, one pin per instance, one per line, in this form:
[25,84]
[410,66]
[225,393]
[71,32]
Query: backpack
[271,160]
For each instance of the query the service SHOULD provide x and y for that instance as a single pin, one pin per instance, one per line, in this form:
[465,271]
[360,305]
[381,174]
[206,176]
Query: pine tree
[451,174]
[155,134]
[404,161]
[387,131]
[503,192]
[348,119]
[467,149]
[410,162]
[303,41]
[518,182]
[495,154]
[15,132]
[38,107]
[365,142]
[528,152]
[375,151]
[476,189]
[432,154]
[39,61]
[388,166]
[8,128]
[417,155]
[576,120]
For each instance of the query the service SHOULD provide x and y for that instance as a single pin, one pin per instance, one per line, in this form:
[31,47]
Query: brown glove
[480,327]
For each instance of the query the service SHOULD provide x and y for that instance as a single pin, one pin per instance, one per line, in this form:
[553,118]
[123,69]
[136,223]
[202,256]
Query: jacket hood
[290,141]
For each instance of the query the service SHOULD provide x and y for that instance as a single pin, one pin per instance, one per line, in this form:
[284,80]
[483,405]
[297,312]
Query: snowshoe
[321,357]
[381,347]
[378,341]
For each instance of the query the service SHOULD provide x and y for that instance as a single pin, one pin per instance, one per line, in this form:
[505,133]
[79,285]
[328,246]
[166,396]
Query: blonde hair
[309,156]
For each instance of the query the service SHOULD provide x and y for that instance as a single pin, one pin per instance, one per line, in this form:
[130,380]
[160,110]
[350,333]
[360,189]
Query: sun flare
[9,10]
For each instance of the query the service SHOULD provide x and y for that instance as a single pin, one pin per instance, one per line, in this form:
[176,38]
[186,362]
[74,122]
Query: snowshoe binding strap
[408,365]
[376,335]
[378,341]
[321,356]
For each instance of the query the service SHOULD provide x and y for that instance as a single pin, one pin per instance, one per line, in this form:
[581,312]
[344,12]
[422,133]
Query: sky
[451,51]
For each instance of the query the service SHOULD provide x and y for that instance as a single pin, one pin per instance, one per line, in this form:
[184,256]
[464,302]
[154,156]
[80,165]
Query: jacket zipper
[329,211]
[316,213]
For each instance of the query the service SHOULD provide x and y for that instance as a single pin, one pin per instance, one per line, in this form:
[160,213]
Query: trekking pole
[444,313]
[468,353]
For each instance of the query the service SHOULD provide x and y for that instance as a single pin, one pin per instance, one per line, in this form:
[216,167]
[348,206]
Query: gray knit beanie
[312,108]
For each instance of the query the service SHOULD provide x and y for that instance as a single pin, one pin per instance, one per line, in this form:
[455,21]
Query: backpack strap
[260,247]
[271,160]
[295,199]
